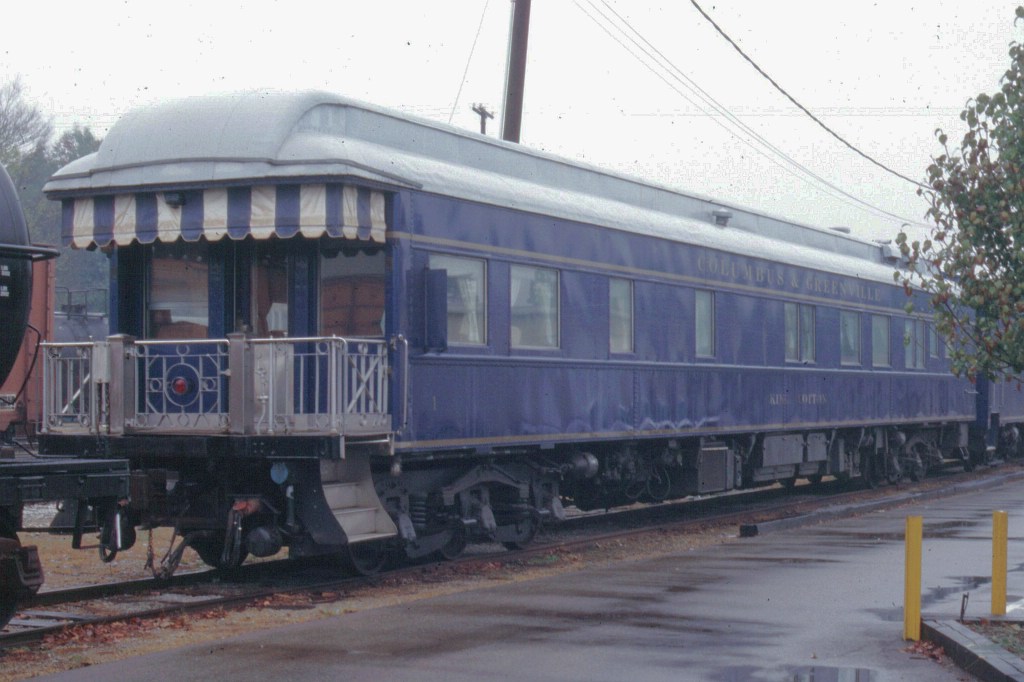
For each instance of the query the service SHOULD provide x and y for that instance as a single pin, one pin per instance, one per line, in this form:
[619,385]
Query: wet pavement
[821,603]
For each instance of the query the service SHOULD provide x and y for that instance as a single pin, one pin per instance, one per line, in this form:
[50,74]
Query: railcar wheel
[968,459]
[8,605]
[211,553]
[871,471]
[525,530]
[658,485]
[917,470]
[893,470]
[8,595]
[814,479]
[456,544]
[366,558]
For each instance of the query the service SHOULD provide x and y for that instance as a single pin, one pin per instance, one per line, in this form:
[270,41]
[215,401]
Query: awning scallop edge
[310,210]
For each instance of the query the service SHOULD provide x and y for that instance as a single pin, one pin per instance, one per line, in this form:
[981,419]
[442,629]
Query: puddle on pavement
[933,595]
[828,674]
[784,559]
[818,673]
[940,530]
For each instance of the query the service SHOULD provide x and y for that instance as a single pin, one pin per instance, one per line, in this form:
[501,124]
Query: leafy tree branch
[972,263]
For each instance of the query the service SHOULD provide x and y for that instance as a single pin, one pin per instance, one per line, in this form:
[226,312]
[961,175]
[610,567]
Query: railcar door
[180,373]
[270,291]
[352,286]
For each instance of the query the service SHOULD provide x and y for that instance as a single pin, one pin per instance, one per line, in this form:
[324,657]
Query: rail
[237,385]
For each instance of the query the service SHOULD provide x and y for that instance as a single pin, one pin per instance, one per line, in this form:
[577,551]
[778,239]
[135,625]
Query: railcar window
[880,341]
[799,332]
[620,315]
[922,343]
[179,291]
[534,302]
[849,337]
[352,293]
[704,319]
[913,343]
[467,293]
[933,341]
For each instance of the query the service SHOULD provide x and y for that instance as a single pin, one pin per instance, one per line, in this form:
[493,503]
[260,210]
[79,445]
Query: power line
[724,111]
[677,74]
[800,106]
[706,97]
[839,112]
[468,61]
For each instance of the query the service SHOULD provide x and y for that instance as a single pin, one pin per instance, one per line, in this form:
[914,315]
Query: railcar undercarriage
[318,497]
[606,476]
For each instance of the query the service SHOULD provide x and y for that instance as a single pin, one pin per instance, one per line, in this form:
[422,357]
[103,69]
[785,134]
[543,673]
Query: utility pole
[482,112]
[515,72]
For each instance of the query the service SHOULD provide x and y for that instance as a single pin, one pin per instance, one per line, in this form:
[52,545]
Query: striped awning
[310,210]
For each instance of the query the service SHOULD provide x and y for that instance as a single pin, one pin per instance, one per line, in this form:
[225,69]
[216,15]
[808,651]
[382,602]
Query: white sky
[884,75]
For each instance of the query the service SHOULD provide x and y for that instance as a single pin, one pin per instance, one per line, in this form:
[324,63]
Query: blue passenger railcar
[339,326]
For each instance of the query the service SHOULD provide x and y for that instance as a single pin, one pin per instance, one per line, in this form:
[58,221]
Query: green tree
[74,144]
[972,262]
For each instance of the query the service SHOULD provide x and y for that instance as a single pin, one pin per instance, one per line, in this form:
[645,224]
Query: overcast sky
[884,75]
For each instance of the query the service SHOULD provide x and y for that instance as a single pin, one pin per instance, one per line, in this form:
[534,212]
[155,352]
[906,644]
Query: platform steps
[352,499]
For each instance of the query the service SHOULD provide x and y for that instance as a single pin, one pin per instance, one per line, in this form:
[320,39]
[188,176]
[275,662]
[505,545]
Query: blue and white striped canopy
[310,210]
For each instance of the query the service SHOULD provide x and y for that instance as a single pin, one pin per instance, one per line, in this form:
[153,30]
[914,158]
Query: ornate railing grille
[182,385]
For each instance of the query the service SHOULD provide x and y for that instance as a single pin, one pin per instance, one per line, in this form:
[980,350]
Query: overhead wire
[658,58]
[469,60]
[801,106]
[706,97]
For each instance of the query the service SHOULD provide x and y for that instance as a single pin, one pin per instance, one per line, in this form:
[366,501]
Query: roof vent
[721,216]
[889,252]
[841,229]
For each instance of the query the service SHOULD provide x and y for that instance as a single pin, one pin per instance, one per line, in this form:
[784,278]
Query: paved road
[817,603]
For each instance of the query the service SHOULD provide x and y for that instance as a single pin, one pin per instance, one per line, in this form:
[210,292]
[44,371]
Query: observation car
[338,328]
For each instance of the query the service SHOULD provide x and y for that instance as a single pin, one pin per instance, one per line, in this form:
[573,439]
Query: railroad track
[55,611]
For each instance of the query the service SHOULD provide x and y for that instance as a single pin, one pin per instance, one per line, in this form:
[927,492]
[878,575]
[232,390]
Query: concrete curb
[749,530]
[972,652]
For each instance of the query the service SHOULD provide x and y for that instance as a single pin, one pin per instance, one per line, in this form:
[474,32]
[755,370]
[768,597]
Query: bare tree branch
[22,125]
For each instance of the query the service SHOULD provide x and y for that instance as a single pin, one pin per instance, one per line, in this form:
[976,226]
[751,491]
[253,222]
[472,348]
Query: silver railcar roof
[255,138]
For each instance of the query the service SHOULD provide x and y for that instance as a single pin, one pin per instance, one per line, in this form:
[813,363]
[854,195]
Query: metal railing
[75,384]
[238,385]
[320,384]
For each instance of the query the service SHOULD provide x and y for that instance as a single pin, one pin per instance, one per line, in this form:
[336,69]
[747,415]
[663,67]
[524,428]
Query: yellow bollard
[999,535]
[912,580]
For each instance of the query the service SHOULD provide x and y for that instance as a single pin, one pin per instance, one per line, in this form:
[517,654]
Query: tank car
[340,329]
[23,478]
